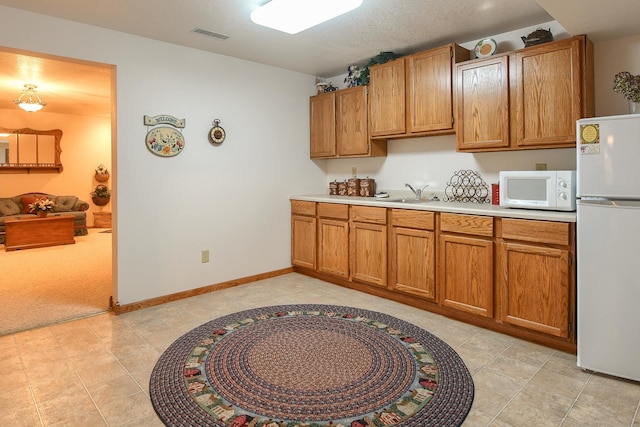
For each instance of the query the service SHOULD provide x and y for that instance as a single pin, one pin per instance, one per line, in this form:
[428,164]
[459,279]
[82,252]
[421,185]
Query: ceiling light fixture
[29,100]
[293,16]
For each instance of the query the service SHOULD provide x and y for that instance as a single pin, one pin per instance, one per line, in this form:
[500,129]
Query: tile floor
[95,371]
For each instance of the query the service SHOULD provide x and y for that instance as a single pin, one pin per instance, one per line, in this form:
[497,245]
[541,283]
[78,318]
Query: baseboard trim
[126,308]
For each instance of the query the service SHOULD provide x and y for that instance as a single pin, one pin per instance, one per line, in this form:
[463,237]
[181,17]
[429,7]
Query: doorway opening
[48,285]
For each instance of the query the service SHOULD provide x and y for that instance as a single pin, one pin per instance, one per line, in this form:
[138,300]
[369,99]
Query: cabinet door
[466,274]
[413,262]
[482,94]
[369,253]
[536,284]
[387,105]
[548,93]
[333,247]
[430,91]
[303,241]
[352,129]
[322,110]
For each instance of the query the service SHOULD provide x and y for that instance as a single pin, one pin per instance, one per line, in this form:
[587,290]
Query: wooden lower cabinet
[368,236]
[466,263]
[303,234]
[333,239]
[537,276]
[303,241]
[515,276]
[466,274]
[536,286]
[413,253]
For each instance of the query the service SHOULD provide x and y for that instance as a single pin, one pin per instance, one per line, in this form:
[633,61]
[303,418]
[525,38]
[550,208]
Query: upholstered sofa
[19,206]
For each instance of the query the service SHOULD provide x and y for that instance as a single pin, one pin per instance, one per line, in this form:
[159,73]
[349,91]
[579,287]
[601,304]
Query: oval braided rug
[310,366]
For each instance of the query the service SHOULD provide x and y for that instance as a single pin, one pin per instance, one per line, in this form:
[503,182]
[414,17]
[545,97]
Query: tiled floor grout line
[521,387]
[133,378]
[24,370]
[576,400]
[75,371]
[494,358]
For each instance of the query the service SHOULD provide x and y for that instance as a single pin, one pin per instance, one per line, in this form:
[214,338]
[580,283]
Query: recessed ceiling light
[293,16]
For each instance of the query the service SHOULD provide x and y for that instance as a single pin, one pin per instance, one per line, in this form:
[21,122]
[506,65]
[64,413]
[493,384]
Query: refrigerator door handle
[607,203]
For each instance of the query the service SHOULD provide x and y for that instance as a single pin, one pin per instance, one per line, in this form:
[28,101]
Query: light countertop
[440,206]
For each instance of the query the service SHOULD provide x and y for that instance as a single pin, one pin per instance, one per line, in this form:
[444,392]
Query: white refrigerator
[608,245]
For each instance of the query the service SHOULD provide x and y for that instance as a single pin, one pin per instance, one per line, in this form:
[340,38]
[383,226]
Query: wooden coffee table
[34,232]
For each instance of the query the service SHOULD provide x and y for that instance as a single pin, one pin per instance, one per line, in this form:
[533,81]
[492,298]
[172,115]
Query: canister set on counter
[363,187]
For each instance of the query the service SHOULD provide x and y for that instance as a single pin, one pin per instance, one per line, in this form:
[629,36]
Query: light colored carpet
[43,286]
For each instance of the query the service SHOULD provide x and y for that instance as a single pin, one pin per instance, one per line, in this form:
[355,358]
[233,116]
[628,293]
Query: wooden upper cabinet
[387,106]
[527,99]
[482,95]
[352,128]
[322,109]
[430,88]
[340,125]
[413,96]
[549,95]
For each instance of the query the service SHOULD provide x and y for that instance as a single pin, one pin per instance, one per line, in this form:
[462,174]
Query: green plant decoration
[381,58]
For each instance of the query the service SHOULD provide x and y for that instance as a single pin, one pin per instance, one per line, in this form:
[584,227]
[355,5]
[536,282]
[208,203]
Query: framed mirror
[30,151]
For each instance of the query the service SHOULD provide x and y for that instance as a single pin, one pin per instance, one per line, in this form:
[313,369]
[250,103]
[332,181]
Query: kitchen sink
[407,200]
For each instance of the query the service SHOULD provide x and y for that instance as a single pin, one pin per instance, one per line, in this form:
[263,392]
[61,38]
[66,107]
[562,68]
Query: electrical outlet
[541,166]
[205,255]
[354,171]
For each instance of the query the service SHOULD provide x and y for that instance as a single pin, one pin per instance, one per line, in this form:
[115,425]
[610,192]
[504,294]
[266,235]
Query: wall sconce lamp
[293,16]
[29,100]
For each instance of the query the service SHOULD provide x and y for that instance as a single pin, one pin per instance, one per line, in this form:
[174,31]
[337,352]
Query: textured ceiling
[401,26]
[79,88]
[325,50]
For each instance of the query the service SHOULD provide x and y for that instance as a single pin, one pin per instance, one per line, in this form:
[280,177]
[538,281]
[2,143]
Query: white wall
[433,160]
[611,58]
[231,199]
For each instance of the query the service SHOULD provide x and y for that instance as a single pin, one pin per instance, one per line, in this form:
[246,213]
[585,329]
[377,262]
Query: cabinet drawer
[369,214]
[303,208]
[466,224]
[412,219]
[555,233]
[333,210]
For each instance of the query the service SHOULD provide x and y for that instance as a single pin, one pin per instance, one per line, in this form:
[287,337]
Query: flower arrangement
[101,191]
[101,195]
[627,85]
[353,76]
[101,170]
[41,205]
[102,174]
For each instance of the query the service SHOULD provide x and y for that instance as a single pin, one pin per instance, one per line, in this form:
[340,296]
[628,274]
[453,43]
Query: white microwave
[552,190]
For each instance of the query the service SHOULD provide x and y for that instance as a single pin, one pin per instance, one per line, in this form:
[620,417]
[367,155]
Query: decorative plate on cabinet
[484,48]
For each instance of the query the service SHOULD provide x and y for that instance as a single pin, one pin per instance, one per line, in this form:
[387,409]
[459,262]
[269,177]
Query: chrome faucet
[417,192]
